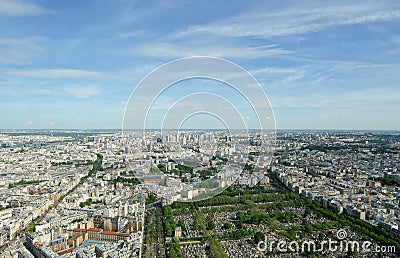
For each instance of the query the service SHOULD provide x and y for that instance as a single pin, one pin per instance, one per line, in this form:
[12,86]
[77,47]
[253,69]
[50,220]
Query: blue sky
[322,64]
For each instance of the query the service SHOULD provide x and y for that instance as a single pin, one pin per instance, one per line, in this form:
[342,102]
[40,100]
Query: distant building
[88,139]
[187,194]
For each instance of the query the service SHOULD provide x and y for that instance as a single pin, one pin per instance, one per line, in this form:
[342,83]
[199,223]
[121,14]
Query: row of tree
[228,200]
[258,217]
[174,248]
[169,222]
[125,180]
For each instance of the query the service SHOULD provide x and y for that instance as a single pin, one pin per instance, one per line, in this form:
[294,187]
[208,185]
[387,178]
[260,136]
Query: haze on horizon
[323,65]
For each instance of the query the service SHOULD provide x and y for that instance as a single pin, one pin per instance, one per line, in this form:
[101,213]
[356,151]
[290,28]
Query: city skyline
[322,65]
[104,194]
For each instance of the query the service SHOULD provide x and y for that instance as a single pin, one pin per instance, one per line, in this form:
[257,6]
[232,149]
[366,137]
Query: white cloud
[294,21]
[284,75]
[360,99]
[20,50]
[83,91]
[131,34]
[58,73]
[21,8]
[165,50]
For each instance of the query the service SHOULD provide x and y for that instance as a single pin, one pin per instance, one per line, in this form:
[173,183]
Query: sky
[322,64]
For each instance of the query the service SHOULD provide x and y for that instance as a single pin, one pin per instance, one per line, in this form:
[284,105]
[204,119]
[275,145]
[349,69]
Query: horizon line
[183,129]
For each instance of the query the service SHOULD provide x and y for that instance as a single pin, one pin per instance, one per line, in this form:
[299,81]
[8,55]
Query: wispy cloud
[131,34]
[317,73]
[169,50]
[352,99]
[284,75]
[58,73]
[20,50]
[21,8]
[293,21]
[83,91]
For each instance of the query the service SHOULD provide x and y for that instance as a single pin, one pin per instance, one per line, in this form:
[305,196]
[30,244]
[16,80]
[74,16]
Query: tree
[210,225]
[308,228]
[352,253]
[195,225]
[258,237]
[181,224]
[151,198]
[227,225]
[169,222]
[174,248]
